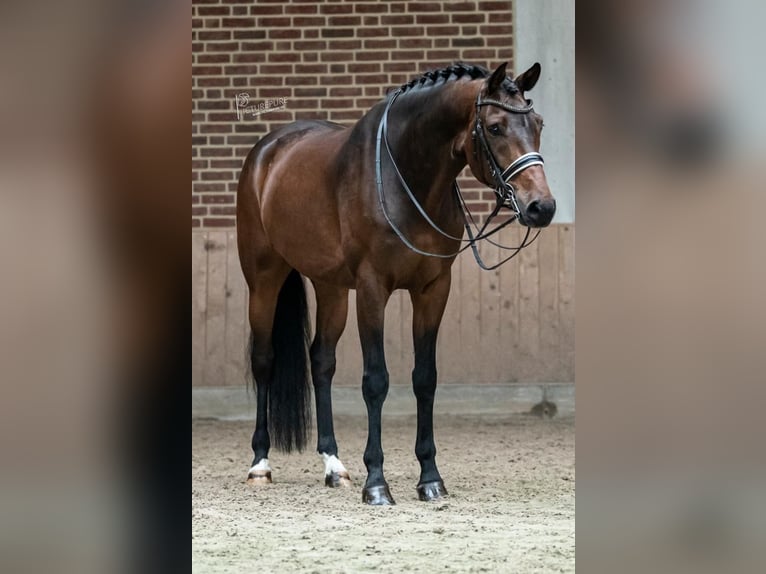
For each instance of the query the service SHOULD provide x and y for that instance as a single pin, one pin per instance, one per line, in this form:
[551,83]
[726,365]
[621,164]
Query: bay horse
[371,208]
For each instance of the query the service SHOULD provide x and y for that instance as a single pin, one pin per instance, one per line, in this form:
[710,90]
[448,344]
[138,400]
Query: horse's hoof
[336,479]
[258,478]
[432,490]
[377,496]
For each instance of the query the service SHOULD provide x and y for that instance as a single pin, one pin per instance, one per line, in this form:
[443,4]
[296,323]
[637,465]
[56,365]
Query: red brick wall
[331,60]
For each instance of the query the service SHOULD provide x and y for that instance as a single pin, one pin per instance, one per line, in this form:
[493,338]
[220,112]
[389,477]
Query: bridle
[505,192]
[504,189]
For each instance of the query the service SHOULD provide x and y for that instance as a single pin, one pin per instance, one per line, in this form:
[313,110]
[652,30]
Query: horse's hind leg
[264,293]
[332,309]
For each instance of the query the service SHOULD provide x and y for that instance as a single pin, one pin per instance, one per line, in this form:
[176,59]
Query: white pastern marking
[332,464]
[263,465]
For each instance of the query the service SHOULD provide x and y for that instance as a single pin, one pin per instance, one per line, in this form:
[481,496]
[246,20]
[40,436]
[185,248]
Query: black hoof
[377,496]
[337,479]
[432,490]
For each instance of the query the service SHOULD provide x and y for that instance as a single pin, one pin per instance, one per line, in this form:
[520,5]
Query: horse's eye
[495,130]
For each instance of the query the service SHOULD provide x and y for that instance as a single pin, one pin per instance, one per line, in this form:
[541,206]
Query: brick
[242,69]
[442,31]
[466,18]
[238,22]
[283,33]
[344,20]
[310,45]
[415,43]
[496,29]
[218,222]
[275,69]
[249,34]
[301,81]
[213,58]
[273,22]
[215,152]
[310,69]
[217,35]
[371,32]
[213,11]
[373,44]
[250,57]
[221,46]
[222,210]
[494,6]
[397,20]
[310,92]
[399,67]
[432,19]
[344,44]
[308,21]
[301,9]
[479,54]
[460,7]
[407,31]
[219,198]
[284,57]
[337,33]
[376,8]
[215,129]
[374,56]
[225,163]
[207,70]
[363,68]
[260,9]
[465,42]
[408,55]
[301,104]
[215,175]
[424,7]
[213,105]
[347,91]
[257,46]
[336,9]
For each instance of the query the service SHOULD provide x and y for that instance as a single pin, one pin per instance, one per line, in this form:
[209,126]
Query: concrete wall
[544,32]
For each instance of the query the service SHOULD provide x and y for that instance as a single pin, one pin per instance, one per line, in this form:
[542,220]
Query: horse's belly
[303,228]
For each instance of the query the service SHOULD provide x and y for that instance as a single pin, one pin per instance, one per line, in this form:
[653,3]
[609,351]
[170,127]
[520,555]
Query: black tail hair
[289,390]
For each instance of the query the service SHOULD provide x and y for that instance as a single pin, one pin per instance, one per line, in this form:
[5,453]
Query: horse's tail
[289,390]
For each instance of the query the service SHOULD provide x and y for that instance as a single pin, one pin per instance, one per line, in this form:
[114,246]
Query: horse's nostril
[540,213]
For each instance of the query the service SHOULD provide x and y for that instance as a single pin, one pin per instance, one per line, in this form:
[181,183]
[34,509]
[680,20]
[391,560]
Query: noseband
[504,189]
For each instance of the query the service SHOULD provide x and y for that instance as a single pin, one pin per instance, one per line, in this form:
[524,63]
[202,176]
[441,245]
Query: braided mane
[453,72]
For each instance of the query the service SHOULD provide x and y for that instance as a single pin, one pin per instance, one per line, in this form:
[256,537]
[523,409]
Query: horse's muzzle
[539,212]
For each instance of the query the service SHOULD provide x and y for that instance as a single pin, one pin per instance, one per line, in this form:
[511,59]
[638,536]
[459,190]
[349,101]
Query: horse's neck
[423,128]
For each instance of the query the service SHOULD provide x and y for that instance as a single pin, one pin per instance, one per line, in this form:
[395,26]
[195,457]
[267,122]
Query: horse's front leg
[427,310]
[371,299]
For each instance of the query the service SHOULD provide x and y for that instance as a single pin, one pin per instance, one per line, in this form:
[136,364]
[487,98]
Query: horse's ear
[528,79]
[496,79]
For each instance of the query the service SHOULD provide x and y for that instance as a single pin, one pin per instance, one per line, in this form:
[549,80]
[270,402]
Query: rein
[505,193]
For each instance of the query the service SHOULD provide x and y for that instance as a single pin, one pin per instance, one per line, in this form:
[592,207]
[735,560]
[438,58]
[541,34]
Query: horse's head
[503,148]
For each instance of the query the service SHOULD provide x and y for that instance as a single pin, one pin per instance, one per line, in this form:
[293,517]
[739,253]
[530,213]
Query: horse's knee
[375,385]
[261,363]
[322,364]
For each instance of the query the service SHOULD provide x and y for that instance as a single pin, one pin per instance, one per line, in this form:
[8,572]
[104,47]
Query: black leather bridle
[503,187]
[504,191]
